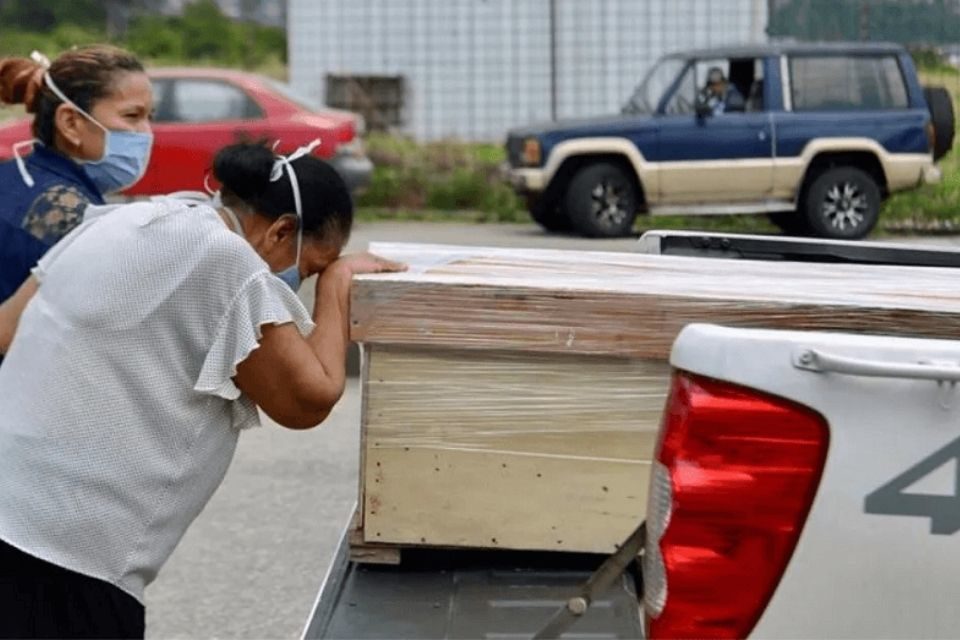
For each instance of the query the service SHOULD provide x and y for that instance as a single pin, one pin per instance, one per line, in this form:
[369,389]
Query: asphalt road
[251,564]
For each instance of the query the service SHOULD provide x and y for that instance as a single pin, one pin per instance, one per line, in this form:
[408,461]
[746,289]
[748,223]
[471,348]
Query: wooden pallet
[365,552]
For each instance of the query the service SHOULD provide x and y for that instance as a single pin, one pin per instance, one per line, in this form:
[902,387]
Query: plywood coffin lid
[632,304]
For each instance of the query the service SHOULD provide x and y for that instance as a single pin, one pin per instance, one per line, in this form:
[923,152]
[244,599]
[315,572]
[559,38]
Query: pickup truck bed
[466,594]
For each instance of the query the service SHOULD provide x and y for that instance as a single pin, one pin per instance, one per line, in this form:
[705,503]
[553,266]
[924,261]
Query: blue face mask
[125,153]
[291,275]
[125,158]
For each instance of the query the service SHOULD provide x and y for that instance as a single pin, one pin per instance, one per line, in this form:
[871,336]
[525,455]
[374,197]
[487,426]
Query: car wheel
[792,223]
[602,201]
[842,203]
[548,214]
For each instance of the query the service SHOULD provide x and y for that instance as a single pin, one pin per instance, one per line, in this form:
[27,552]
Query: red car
[198,111]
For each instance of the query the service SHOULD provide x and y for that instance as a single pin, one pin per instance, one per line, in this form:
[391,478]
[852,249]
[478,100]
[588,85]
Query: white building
[474,68]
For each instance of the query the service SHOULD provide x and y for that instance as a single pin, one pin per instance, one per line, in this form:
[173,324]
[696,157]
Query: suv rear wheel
[602,201]
[842,203]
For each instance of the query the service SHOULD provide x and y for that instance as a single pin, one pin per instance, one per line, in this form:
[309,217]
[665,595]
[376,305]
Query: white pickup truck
[806,485]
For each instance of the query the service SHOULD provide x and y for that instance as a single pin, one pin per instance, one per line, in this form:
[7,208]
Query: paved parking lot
[252,562]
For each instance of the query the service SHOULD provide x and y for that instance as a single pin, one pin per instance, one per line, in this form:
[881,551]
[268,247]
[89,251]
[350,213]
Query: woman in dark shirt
[92,136]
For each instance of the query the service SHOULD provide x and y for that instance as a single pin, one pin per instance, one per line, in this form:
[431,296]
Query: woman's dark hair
[244,171]
[85,75]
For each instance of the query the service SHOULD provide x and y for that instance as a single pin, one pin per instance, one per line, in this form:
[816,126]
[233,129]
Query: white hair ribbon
[40,59]
[282,161]
[286,162]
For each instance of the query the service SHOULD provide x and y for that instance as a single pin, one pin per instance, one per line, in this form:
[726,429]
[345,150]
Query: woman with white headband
[138,349]
[91,137]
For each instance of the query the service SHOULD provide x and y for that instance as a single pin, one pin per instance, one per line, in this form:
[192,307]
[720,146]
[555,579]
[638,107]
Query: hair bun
[20,82]
[244,168]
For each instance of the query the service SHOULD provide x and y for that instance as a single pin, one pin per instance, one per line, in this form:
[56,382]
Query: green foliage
[44,15]
[905,21]
[207,33]
[15,42]
[154,38]
[202,35]
[439,176]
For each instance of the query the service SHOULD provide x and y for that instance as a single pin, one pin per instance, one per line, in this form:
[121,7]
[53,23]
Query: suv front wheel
[602,201]
[548,214]
[842,203]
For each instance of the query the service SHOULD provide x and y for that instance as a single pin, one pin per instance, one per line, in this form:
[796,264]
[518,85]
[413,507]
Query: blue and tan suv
[818,137]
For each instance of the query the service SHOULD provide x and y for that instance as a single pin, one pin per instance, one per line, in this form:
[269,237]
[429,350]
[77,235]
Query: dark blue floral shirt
[33,219]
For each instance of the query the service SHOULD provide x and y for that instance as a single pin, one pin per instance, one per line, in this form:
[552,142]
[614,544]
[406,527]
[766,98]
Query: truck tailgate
[877,554]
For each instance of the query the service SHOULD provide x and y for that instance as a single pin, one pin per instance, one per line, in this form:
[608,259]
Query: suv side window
[822,83]
[208,101]
[744,82]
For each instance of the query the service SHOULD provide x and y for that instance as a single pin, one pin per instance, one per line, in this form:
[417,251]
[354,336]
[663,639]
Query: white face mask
[125,153]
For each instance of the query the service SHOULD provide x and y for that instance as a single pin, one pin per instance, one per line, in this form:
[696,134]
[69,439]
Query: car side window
[161,100]
[823,83]
[891,81]
[754,83]
[211,100]
[684,95]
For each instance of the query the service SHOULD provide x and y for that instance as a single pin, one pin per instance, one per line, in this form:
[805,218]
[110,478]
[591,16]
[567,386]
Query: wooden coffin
[511,397]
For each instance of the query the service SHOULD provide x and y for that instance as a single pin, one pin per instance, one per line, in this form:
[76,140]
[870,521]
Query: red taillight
[734,478]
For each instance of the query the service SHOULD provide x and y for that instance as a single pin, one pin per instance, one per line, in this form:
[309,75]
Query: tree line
[911,22]
[202,33]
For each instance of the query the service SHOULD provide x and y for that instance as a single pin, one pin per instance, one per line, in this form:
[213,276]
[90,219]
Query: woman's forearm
[295,384]
[331,313]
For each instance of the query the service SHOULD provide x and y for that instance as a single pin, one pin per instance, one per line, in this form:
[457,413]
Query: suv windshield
[647,97]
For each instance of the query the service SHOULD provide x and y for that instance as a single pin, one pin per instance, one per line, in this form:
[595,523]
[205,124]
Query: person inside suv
[721,95]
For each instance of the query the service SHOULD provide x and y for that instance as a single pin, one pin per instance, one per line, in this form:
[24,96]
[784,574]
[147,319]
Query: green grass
[931,207]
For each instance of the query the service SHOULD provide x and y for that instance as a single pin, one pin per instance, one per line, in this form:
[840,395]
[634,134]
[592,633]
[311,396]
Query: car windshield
[648,95]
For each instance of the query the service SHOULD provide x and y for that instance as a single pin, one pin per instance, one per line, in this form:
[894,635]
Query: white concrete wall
[475,68]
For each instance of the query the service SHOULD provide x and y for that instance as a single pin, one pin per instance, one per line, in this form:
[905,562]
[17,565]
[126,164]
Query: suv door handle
[762,136]
[810,359]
